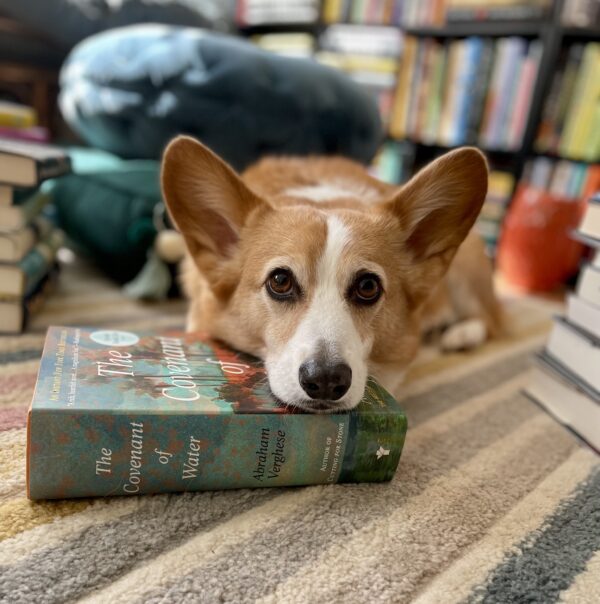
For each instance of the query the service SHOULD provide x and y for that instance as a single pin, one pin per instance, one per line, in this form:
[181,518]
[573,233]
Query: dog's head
[321,291]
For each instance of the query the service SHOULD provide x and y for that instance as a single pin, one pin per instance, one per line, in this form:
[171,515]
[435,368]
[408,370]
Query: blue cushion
[130,90]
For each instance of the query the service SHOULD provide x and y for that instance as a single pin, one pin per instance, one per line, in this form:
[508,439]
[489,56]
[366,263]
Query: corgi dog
[324,272]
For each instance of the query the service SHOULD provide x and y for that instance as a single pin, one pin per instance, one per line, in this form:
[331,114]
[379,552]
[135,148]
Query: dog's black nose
[325,381]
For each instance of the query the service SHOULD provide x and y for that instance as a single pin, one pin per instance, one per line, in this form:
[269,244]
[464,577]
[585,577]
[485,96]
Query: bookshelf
[549,30]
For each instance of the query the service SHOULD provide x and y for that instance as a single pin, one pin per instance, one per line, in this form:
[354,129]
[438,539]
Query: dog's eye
[281,285]
[366,289]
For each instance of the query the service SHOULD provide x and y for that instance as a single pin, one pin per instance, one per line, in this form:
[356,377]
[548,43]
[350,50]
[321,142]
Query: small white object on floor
[464,335]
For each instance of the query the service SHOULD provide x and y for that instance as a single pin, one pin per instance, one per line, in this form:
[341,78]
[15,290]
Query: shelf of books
[513,77]
[29,241]
[565,380]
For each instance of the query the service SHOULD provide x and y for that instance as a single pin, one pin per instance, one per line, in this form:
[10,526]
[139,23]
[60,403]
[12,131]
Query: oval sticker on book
[111,337]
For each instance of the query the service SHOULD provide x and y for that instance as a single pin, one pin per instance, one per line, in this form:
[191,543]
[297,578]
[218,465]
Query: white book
[584,315]
[567,402]
[590,223]
[577,350]
[588,285]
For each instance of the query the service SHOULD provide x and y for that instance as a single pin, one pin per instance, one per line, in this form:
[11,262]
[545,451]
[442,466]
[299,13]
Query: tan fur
[236,230]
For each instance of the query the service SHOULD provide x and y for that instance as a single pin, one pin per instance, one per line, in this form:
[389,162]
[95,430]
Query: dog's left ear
[437,207]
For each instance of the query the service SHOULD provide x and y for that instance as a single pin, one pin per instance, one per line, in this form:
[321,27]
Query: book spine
[39,260]
[588,287]
[52,168]
[131,454]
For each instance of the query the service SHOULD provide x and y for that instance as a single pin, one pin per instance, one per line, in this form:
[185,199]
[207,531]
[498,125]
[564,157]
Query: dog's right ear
[206,199]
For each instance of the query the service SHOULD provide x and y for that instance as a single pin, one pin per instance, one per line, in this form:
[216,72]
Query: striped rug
[493,501]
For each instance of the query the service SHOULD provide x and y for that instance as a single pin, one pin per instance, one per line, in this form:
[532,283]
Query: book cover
[123,413]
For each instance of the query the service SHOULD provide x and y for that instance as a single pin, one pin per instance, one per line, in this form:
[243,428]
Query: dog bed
[130,90]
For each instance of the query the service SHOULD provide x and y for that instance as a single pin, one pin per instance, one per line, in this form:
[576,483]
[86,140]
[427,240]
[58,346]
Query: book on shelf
[562,179]
[15,244]
[299,45]
[581,13]
[24,164]
[369,55]
[489,222]
[123,413]
[15,312]
[394,162]
[19,279]
[34,134]
[15,115]
[581,137]
[570,123]
[271,12]
[465,91]
[458,11]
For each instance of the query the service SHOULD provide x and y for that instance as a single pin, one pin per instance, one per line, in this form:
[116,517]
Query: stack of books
[28,241]
[20,122]
[469,91]
[489,223]
[271,12]
[566,380]
[570,124]
[369,55]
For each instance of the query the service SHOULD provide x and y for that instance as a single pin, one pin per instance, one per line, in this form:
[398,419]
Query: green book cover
[123,413]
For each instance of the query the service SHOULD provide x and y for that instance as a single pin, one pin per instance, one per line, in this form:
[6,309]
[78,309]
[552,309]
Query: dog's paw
[464,335]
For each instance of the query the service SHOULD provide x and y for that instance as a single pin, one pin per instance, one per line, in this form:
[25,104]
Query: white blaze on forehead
[327,191]
[327,324]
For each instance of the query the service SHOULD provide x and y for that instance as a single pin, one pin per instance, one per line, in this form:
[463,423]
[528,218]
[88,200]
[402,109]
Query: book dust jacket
[123,413]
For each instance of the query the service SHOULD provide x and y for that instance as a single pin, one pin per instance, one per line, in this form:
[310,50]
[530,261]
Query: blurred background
[391,83]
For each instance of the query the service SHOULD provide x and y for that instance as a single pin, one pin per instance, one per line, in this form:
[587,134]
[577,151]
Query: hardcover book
[24,164]
[122,413]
